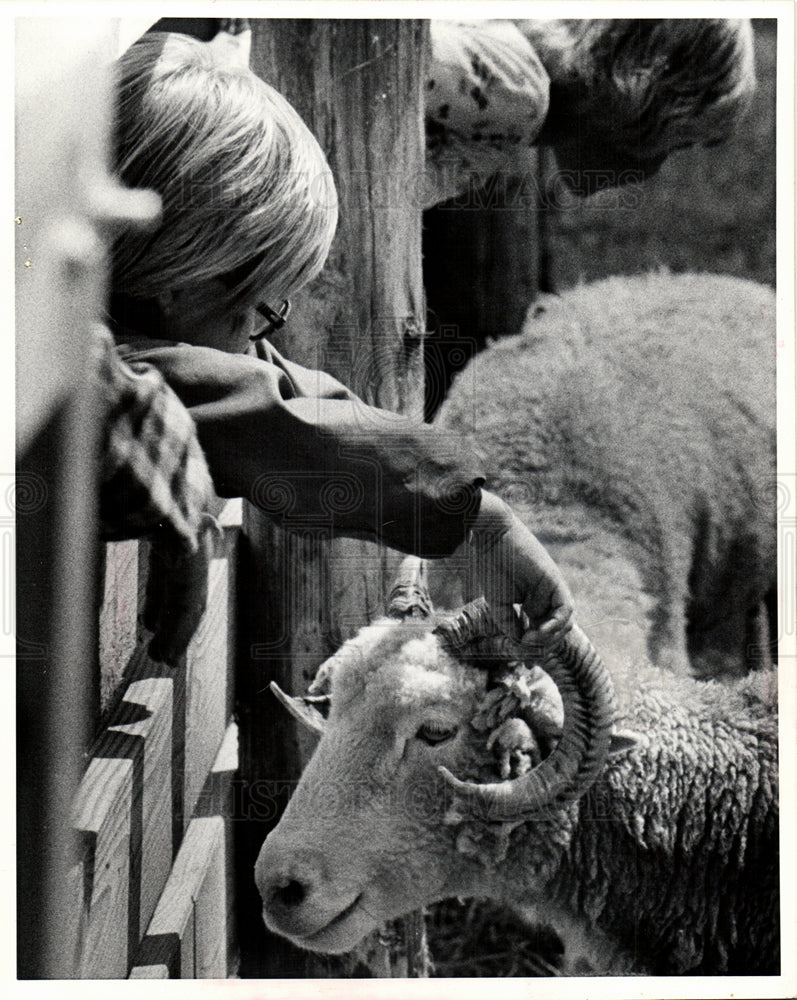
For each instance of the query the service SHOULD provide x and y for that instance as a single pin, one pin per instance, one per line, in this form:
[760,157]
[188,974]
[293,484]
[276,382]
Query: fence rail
[152,883]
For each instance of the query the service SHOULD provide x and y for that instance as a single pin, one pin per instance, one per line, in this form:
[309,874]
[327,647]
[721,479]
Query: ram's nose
[291,885]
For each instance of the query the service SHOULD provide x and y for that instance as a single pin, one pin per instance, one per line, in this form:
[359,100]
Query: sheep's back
[661,381]
[648,400]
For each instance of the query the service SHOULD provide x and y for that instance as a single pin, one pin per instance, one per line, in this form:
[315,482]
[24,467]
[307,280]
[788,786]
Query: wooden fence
[151,891]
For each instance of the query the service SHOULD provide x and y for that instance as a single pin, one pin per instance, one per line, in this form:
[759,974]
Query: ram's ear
[302,709]
[623,741]
[322,682]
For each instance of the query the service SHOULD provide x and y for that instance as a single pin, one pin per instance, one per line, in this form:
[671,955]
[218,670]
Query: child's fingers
[551,631]
[559,624]
[176,596]
[505,617]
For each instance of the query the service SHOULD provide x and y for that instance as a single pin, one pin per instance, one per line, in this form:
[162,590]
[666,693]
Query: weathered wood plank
[144,733]
[156,971]
[103,813]
[142,730]
[73,931]
[210,910]
[189,768]
[62,92]
[216,797]
[231,515]
[210,663]
[118,615]
[217,800]
[358,85]
[206,686]
[187,933]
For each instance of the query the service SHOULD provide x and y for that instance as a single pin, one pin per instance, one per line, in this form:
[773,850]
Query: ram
[444,770]
[633,805]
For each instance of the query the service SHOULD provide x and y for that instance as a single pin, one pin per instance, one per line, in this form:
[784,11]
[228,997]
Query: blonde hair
[245,188]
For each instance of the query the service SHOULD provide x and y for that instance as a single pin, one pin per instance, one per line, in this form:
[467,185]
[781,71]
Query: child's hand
[511,567]
[177,590]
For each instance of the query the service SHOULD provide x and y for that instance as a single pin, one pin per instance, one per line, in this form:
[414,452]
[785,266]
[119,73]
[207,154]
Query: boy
[249,212]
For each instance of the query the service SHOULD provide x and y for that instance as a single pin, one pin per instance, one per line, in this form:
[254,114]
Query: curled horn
[409,597]
[473,632]
[302,709]
[582,751]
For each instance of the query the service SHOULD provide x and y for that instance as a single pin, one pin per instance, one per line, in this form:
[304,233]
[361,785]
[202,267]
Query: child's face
[199,314]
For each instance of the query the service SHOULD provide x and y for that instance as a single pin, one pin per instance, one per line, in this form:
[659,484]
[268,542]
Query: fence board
[118,615]
[62,90]
[103,811]
[152,749]
[358,84]
[73,930]
[187,934]
[171,736]
[217,800]
[206,688]
[216,796]
[232,513]
[210,912]
[210,662]
[155,971]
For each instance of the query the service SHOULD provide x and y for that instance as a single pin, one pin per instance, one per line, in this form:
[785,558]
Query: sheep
[636,415]
[657,844]
[638,812]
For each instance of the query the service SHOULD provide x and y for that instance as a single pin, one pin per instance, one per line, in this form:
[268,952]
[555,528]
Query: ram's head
[442,737]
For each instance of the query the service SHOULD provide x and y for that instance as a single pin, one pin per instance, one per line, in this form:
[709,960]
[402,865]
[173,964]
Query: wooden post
[358,85]
[481,268]
[60,71]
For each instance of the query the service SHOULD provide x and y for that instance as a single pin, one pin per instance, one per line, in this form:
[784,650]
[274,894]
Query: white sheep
[635,417]
[634,421]
[657,846]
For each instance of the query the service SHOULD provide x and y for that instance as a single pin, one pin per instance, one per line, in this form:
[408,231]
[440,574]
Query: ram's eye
[435,732]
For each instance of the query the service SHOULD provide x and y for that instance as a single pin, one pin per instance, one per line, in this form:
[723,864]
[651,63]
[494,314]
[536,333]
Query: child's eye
[435,732]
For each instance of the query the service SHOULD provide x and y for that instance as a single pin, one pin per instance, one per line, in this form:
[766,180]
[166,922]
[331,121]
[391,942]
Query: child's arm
[512,567]
[307,451]
[311,454]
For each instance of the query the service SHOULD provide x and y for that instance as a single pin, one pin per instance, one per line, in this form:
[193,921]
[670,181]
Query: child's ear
[166,302]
